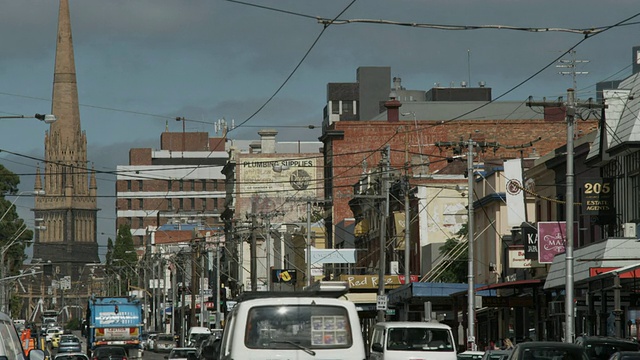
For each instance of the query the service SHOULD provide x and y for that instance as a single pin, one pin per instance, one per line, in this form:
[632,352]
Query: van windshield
[421,339]
[298,327]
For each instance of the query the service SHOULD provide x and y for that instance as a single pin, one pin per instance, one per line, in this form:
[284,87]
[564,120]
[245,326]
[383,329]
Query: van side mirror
[377,347]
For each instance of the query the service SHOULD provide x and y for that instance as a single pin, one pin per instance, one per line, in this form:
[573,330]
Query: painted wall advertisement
[552,237]
[273,177]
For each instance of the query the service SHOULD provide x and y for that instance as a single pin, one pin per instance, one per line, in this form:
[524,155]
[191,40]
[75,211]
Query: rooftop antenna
[571,65]
[469,65]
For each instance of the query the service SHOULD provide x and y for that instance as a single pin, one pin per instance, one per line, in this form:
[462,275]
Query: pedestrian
[508,345]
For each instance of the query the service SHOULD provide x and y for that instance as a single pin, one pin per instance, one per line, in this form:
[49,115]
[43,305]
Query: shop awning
[518,284]
[612,253]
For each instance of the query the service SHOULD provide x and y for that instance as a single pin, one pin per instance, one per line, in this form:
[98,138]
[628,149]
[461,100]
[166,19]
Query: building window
[347,107]
[129,204]
[335,107]
[215,203]
[204,204]
[215,185]
[181,204]
[140,204]
[128,185]
[204,185]
[169,205]
[635,200]
[193,203]
[139,185]
[181,185]
[193,185]
[169,184]
[140,222]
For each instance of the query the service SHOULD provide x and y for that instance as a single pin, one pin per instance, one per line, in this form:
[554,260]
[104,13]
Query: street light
[46,118]
[36,192]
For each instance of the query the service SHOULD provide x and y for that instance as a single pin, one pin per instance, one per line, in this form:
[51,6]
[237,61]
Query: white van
[301,328]
[197,334]
[412,340]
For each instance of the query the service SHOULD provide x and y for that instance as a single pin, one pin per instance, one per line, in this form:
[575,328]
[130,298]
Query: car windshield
[421,339]
[299,327]
[165,338]
[71,357]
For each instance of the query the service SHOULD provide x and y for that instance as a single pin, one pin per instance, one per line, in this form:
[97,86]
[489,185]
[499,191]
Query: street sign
[382,302]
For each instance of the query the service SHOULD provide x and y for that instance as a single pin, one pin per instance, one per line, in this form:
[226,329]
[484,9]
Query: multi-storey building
[181,181]
[269,185]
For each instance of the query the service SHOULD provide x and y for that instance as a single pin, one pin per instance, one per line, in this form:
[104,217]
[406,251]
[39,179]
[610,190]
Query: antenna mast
[571,64]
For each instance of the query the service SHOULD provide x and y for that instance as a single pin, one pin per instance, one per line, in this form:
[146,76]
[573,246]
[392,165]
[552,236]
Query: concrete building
[68,208]
[269,184]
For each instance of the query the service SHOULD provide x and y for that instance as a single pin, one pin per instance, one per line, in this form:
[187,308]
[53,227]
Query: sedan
[69,343]
[625,355]
[548,350]
[164,343]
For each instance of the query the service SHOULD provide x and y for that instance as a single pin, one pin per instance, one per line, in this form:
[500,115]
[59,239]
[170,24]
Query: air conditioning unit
[630,230]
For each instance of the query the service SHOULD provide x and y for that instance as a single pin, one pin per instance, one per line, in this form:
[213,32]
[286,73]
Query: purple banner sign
[552,237]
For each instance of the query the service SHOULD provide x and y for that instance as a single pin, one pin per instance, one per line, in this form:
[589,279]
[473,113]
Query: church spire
[65,89]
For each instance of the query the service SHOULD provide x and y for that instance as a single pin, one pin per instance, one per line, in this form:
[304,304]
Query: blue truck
[114,321]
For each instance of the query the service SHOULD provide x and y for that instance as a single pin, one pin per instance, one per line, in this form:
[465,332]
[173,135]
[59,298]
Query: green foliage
[456,262]
[121,257]
[12,228]
[73,324]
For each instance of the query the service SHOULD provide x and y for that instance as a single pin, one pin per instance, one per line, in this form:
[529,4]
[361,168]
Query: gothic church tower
[68,207]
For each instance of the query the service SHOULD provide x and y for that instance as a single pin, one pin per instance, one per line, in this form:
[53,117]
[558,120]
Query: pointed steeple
[65,89]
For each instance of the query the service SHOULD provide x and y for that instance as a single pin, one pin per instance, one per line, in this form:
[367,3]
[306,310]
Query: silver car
[164,343]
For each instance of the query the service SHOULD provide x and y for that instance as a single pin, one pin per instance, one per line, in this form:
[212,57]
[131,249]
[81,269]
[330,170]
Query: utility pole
[471,310]
[407,215]
[384,211]
[570,110]
[268,254]
[309,242]
[253,254]
[471,297]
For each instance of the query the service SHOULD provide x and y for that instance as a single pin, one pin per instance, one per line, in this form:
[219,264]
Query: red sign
[631,274]
[413,278]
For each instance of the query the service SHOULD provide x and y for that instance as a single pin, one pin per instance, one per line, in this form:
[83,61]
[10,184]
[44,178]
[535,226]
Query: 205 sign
[597,197]
[597,187]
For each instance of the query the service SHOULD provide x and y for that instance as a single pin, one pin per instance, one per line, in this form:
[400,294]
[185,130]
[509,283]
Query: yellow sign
[277,177]
[370,281]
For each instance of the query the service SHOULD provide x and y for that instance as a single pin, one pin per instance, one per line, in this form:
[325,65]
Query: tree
[121,257]
[12,227]
[455,261]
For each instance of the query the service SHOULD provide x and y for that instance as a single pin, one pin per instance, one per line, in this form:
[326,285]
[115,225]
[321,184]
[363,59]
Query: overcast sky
[144,62]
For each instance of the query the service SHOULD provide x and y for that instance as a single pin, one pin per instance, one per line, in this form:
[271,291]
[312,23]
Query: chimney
[268,140]
[393,106]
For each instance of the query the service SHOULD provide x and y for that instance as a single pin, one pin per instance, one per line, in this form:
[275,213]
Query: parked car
[71,356]
[69,343]
[183,353]
[150,344]
[602,347]
[548,350]
[470,355]
[164,343]
[625,355]
[412,340]
[496,354]
[109,353]
[208,349]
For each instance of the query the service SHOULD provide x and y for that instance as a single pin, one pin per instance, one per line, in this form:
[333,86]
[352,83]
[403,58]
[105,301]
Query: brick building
[182,182]
[352,147]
